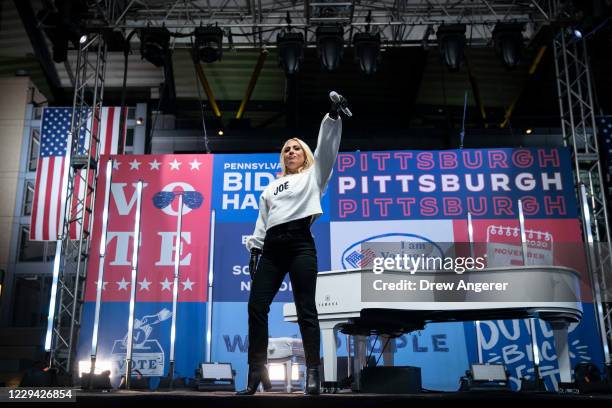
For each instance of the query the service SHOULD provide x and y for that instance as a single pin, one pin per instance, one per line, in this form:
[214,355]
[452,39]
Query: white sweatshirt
[297,196]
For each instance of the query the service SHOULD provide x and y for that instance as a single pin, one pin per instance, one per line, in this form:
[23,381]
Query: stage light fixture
[451,40]
[528,131]
[101,366]
[367,51]
[330,46]
[577,34]
[208,45]
[277,372]
[508,40]
[290,51]
[154,45]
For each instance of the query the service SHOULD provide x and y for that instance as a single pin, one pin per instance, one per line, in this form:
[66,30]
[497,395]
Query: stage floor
[297,399]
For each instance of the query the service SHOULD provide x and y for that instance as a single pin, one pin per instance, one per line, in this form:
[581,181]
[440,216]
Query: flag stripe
[36,232]
[47,209]
[76,206]
[54,205]
[60,176]
[113,137]
[104,130]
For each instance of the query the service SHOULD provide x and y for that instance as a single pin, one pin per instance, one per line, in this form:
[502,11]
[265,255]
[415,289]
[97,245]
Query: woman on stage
[282,242]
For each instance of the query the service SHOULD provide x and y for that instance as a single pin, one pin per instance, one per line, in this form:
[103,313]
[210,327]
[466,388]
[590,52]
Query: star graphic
[134,165]
[174,165]
[103,285]
[144,284]
[166,284]
[154,164]
[123,284]
[187,284]
[116,165]
[195,164]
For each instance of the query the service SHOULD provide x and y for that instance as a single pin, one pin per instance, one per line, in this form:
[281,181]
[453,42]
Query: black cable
[161,97]
[383,350]
[256,32]
[192,33]
[198,85]
[371,350]
[122,117]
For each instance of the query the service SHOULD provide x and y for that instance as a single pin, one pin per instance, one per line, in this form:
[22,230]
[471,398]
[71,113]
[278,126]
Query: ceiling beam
[39,45]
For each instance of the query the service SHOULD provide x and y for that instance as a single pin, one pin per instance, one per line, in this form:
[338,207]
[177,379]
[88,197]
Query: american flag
[46,211]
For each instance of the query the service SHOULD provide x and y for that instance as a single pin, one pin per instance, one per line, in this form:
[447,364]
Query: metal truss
[400,22]
[70,263]
[580,135]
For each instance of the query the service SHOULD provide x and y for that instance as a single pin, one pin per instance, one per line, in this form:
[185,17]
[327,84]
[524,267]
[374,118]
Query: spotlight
[154,44]
[83,39]
[577,34]
[139,121]
[101,366]
[220,132]
[528,131]
[208,45]
[451,40]
[290,51]
[277,372]
[508,40]
[367,51]
[330,43]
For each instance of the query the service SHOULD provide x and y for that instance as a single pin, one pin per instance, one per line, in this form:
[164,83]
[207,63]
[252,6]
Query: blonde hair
[308,157]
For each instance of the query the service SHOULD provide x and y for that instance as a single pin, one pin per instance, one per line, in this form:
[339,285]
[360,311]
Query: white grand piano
[346,302]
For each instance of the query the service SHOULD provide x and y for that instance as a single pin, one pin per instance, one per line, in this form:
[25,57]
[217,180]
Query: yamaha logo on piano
[327,301]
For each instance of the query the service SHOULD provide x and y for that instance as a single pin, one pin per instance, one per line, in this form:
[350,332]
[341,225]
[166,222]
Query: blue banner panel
[447,184]
[239,179]
[439,350]
[232,282]
[508,342]
[437,346]
[231,340]
[151,346]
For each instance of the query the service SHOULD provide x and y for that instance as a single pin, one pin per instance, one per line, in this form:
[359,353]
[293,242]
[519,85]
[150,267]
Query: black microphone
[337,98]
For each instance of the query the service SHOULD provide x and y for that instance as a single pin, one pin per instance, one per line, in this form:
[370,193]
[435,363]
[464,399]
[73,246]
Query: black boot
[313,384]
[257,375]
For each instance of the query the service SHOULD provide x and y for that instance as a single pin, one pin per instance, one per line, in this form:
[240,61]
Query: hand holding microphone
[339,103]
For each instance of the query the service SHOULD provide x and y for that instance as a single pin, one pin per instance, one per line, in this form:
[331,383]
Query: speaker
[391,380]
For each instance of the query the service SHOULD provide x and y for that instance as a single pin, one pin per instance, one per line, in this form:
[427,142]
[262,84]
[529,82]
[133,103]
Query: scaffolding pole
[77,212]
[579,131]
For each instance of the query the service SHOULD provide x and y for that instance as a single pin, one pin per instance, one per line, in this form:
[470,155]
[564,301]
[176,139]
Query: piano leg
[359,360]
[560,330]
[330,362]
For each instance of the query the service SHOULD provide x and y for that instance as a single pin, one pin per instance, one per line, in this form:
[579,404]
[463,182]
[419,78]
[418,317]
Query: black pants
[287,247]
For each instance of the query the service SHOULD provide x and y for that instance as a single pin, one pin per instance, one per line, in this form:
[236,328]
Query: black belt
[295,225]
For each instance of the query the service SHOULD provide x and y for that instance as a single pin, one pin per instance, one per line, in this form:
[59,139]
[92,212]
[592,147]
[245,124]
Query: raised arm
[257,239]
[325,154]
